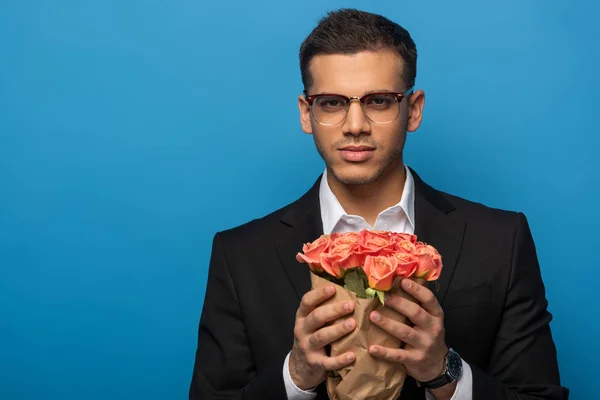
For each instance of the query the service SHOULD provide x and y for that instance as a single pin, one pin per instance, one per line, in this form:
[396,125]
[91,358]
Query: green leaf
[423,274]
[381,295]
[355,282]
[371,293]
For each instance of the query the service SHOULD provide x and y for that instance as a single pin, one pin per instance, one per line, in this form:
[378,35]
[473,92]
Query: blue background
[131,131]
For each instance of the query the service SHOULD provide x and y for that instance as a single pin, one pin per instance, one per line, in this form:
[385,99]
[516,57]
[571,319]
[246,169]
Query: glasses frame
[399,96]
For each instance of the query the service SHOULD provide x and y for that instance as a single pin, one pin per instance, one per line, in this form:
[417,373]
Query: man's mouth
[356,153]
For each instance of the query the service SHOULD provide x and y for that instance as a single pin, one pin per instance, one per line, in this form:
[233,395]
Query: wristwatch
[451,373]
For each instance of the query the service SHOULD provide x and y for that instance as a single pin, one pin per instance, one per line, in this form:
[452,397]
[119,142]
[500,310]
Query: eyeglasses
[380,107]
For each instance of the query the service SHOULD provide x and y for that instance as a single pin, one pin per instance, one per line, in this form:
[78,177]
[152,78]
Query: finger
[325,336]
[424,296]
[392,355]
[334,363]
[410,309]
[326,313]
[395,328]
[410,358]
[313,298]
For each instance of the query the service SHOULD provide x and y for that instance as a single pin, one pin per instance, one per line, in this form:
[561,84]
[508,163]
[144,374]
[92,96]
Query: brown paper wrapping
[367,377]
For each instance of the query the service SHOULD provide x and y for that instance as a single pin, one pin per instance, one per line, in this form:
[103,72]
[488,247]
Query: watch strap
[438,382]
[446,377]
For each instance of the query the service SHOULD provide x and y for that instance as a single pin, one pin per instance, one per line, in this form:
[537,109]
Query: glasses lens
[382,108]
[329,110]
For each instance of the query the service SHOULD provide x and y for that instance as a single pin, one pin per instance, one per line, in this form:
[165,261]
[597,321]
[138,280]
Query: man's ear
[304,109]
[416,102]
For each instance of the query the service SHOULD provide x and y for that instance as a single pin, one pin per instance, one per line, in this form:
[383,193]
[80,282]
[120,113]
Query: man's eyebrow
[378,91]
[364,93]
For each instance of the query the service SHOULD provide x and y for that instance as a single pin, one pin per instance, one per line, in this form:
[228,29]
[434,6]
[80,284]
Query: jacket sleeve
[523,363]
[224,367]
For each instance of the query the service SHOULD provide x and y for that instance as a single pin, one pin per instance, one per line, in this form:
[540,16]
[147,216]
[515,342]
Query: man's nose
[356,122]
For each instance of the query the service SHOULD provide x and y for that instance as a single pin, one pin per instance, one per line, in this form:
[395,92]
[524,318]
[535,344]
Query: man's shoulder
[274,223]
[258,226]
[465,208]
[483,214]
[465,205]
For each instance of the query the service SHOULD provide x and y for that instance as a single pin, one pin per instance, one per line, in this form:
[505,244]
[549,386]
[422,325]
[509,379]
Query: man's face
[358,151]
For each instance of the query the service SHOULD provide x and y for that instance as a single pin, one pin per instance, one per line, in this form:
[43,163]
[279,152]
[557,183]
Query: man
[482,334]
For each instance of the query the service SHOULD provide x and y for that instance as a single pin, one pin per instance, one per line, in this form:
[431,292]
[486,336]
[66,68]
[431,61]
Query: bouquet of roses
[368,264]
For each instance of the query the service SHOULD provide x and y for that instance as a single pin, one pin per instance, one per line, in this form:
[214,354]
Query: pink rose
[340,257]
[405,246]
[399,237]
[430,262]
[381,271]
[376,243]
[345,238]
[386,234]
[333,236]
[407,264]
[312,253]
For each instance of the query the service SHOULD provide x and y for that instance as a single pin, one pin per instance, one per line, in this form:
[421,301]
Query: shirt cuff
[294,392]
[464,386]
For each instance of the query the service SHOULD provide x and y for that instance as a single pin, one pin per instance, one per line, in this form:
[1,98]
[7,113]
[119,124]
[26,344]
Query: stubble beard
[394,157]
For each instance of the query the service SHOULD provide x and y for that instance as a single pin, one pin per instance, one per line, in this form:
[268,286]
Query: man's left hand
[425,350]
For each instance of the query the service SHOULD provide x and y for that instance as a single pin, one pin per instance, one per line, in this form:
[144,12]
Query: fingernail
[373,350]
[348,324]
[375,316]
[408,283]
[347,306]
[329,289]
[350,356]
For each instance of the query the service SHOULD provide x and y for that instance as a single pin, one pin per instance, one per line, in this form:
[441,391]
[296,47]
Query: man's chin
[354,177]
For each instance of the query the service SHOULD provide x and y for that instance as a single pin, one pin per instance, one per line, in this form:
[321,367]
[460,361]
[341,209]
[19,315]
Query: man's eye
[331,102]
[379,101]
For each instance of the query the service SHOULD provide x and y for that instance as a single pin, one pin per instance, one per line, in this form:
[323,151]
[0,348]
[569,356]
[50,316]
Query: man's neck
[368,200]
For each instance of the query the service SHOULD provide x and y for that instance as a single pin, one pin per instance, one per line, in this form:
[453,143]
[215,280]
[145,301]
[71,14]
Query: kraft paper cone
[368,377]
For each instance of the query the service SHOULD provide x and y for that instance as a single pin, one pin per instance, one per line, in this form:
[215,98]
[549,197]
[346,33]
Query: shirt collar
[332,211]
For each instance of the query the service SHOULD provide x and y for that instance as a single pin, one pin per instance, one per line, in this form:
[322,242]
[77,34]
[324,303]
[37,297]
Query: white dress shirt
[398,218]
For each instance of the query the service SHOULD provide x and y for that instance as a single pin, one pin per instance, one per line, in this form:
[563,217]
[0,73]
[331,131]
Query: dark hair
[349,31]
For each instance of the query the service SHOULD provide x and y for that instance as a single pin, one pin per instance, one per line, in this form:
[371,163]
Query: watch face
[454,365]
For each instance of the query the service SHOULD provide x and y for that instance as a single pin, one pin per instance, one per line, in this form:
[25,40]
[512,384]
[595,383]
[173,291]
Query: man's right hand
[309,362]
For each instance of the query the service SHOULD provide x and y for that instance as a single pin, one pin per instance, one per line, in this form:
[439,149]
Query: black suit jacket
[490,289]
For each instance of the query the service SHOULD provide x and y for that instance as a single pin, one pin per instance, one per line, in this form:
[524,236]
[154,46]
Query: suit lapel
[437,224]
[302,224]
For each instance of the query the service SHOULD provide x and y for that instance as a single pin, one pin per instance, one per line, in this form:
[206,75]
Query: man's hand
[425,350]
[309,362]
